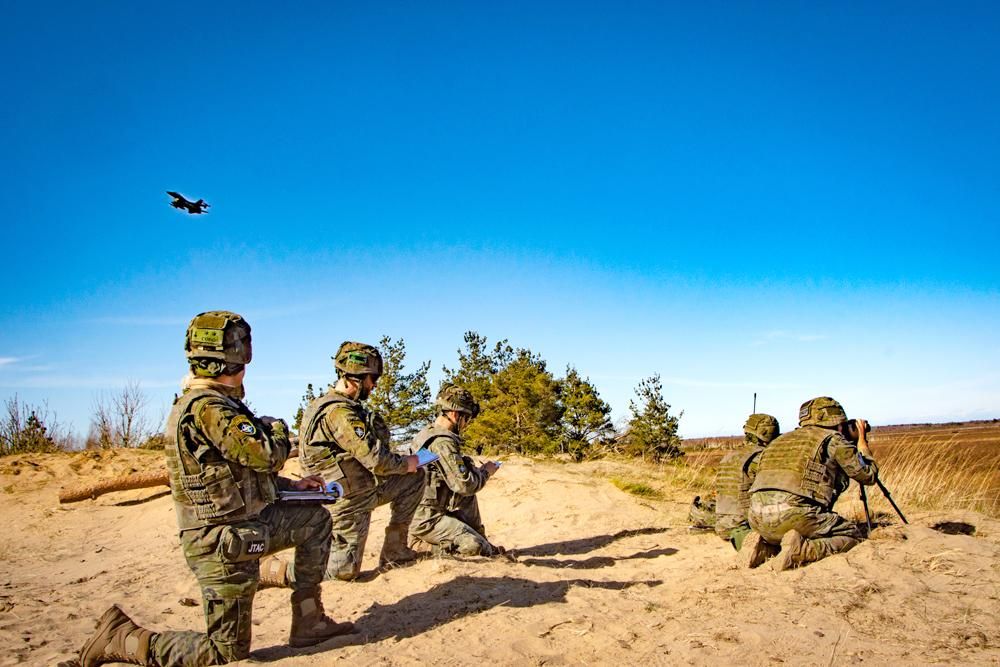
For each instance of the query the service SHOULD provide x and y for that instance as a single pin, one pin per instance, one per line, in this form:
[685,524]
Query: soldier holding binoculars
[801,475]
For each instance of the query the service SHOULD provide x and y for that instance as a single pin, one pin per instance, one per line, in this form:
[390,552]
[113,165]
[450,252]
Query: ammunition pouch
[213,493]
[818,483]
[213,490]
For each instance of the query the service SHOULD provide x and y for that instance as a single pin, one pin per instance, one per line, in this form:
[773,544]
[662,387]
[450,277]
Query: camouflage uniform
[221,462]
[736,474]
[342,441]
[448,515]
[800,476]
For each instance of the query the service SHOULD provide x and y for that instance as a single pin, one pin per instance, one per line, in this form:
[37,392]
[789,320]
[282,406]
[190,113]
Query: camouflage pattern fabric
[219,456]
[458,531]
[219,431]
[219,335]
[351,518]
[453,397]
[763,427]
[813,462]
[373,474]
[774,513]
[357,440]
[228,588]
[736,474]
[357,359]
[448,515]
[798,468]
[701,513]
[737,534]
[822,411]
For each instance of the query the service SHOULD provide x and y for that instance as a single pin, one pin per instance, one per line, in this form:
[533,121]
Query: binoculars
[852,429]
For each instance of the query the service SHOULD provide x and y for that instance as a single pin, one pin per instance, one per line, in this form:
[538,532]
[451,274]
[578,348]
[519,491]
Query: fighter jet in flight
[192,207]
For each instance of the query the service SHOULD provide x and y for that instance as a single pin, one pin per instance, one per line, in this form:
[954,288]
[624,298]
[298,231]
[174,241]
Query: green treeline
[526,409]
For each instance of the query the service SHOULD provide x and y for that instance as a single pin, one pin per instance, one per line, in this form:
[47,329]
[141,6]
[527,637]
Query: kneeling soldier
[222,462]
[800,477]
[737,471]
[448,515]
[342,441]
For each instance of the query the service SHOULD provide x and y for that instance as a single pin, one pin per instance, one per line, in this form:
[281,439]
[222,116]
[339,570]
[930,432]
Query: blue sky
[792,198]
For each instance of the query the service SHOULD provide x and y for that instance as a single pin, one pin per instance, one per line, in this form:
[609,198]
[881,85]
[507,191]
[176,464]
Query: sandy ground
[601,577]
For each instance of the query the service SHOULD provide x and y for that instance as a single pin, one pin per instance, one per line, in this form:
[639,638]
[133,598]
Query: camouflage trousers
[228,588]
[351,519]
[774,513]
[732,528]
[460,530]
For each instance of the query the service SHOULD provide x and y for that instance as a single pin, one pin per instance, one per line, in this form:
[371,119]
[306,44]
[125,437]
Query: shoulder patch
[244,425]
[461,468]
[359,431]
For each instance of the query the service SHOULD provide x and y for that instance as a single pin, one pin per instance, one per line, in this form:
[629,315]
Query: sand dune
[601,577]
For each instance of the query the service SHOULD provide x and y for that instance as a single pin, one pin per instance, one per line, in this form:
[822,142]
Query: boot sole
[751,555]
[342,629]
[786,557]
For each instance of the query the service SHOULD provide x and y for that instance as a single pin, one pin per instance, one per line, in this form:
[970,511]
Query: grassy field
[952,466]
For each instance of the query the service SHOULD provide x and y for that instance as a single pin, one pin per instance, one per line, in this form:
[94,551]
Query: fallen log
[142,480]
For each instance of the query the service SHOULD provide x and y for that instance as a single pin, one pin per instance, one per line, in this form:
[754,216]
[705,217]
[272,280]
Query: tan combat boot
[395,549]
[792,552]
[309,624]
[273,573]
[753,552]
[117,639]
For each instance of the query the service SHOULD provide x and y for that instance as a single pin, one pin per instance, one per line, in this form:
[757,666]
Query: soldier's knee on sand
[467,545]
[232,652]
[345,569]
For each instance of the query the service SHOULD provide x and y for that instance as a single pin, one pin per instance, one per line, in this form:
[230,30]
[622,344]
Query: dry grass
[690,473]
[636,488]
[923,471]
[944,467]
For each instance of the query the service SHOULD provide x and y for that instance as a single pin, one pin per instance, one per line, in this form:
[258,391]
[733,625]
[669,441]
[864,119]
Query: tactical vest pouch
[219,494]
[816,482]
[240,543]
[431,488]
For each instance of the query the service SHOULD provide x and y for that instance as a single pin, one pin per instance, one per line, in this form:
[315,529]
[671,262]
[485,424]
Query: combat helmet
[219,335]
[822,411]
[453,397]
[357,359]
[763,427]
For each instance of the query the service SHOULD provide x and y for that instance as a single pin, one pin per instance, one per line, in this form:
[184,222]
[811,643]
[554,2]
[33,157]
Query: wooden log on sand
[142,480]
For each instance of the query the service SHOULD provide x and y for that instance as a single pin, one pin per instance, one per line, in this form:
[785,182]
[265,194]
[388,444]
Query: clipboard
[331,493]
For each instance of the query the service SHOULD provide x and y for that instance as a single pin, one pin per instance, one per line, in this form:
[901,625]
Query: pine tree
[586,419]
[477,365]
[652,430]
[307,398]
[403,399]
[35,437]
[522,411]
[23,429]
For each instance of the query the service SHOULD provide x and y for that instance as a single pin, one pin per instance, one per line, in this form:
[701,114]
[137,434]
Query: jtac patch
[245,425]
